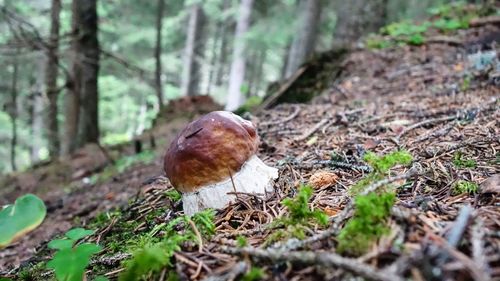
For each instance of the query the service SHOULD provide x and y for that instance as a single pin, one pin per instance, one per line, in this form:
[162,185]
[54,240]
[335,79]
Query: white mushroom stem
[254,177]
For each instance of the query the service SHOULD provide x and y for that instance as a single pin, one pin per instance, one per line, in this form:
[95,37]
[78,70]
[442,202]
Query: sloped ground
[78,188]
[413,98]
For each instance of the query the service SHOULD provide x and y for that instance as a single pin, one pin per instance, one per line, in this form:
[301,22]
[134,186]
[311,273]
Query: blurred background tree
[81,71]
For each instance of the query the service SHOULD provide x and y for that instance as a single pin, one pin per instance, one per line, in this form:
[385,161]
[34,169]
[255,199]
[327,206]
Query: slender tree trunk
[237,73]
[356,18]
[305,38]
[52,127]
[213,59]
[257,76]
[72,99]
[87,22]
[221,64]
[38,105]
[193,52]
[13,114]
[284,66]
[158,83]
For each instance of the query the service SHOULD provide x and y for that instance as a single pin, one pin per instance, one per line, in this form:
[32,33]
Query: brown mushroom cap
[209,150]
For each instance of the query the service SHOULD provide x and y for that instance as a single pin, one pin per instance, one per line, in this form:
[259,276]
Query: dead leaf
[491,185]
[370,144]
[322,178]
[330,211]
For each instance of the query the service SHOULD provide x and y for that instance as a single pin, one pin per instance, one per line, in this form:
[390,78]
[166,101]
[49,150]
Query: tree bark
[356,18]
[237,73]
[37,108]
[88,56]
[158,70]
[52,127]
[72,99]
[13,114]
[305,39]
[193,52]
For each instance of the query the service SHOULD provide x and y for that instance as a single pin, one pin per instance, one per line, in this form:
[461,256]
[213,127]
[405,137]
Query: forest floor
[444,225]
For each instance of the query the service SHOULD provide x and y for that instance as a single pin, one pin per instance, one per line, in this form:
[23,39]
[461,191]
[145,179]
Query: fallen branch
[272,99]
[326,259]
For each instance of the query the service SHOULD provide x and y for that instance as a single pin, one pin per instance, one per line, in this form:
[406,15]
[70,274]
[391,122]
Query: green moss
[381,166]
[372,210]
[241,241]
[462,186]
[250,104]
[298,218]
[460,162]
[254,274]
[174,195]
[368,223]
[151,253]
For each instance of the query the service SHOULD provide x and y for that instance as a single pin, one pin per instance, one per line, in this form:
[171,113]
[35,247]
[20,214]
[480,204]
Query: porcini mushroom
[213,156]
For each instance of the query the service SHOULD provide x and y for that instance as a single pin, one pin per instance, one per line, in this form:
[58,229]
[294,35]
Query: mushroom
[212,158]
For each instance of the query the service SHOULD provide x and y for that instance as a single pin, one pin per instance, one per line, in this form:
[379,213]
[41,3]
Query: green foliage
[151,254]
[299,211]
[368,223]
[451,24]
[16,220]
[70,260]
[460,162]
[126,162]
[174,195]
[241,241]
[254,274]
[250,104]
[462,186]
[299,217]
[382,164]
[373,209]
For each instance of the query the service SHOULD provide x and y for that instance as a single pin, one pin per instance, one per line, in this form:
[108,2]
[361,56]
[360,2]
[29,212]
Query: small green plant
[70,260]
[174,195]
[250,104]
[460,162]
[254,274]
[152,254]
[368,223]
[16,220]
[299,217]
[462,186]
[381,166]
[371,210]
[241,241]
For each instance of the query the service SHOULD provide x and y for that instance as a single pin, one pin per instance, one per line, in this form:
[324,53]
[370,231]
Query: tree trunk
[305,39]
[37,123]
[87,29]
[257,77]
[237,73]
[193,52]
[356,18]
[224,36]
[52,127]
[72,99]
[13,114]
[158,83]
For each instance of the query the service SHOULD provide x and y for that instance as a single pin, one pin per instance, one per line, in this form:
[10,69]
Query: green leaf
[76,234]
[60,244]
[101,278]
[16,220]
[69,264]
